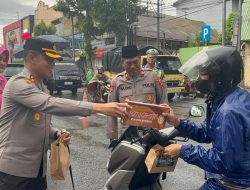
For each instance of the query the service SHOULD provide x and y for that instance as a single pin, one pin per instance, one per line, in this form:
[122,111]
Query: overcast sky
[11,10]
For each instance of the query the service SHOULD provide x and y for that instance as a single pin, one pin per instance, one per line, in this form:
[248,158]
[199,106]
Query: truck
[173,79]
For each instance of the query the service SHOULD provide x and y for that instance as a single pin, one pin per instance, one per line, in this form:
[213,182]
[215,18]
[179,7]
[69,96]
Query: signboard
[26,25]
[205,33]
[13,39]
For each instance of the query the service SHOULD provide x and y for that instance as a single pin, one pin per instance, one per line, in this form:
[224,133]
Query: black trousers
[10,182]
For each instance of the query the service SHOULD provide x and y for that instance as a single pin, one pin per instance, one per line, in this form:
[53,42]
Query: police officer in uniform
[152,62]
[135,84]
[25,122]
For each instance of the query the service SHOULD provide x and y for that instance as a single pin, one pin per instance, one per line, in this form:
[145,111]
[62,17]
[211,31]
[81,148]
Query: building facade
[45,13]
[15,33]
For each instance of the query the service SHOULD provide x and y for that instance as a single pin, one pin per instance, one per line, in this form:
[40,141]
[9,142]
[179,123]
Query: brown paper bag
[59,160]
[156,163]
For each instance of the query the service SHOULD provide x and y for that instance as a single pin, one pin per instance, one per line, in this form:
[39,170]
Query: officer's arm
[112,125]
[227,152]
[26,94]
[160,88]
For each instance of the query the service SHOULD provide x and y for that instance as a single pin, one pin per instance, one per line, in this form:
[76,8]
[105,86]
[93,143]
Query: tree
[83,11]
[229,28]
[196,42]
[42,29]
[115,16]
[96,17]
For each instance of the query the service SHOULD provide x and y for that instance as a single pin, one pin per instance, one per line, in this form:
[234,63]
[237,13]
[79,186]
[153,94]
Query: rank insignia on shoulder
[31,80]
[28,81]
[37,116]
[160,82]
[126,76]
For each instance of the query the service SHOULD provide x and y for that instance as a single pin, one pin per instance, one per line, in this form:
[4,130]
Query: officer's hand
[171,118]
[64,136]
[112,109]
[172,151]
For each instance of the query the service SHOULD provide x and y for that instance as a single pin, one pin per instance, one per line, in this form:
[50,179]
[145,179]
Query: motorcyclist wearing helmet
[98,86]
[100,76]
[227,124]
[152,62]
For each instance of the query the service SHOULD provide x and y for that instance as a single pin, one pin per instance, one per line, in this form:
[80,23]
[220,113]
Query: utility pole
[158,24]
[223,22]
[73,36]
[185,11]
[239,26]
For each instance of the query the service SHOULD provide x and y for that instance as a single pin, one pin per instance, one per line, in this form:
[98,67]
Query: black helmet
[224,66]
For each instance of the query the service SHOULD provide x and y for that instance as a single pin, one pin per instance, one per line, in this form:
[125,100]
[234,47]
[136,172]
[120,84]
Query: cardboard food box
[145,115]
[157,163]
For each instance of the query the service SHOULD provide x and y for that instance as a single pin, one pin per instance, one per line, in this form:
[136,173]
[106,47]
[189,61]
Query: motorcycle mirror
[197,111]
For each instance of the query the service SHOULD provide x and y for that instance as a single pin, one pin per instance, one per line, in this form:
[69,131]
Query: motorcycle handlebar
[156,137]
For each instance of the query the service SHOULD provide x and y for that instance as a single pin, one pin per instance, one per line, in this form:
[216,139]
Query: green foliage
[42,29]
[114,16]
[96,17]
[196,42]
[229,28]
[83,11]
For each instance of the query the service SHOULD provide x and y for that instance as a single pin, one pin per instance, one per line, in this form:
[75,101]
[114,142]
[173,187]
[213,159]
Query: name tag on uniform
[148,85]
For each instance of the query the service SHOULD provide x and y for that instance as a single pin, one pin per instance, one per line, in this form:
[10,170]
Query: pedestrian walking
[25,122]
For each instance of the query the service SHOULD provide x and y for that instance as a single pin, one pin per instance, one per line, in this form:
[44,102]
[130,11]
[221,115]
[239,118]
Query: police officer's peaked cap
[43,46]
[129,51]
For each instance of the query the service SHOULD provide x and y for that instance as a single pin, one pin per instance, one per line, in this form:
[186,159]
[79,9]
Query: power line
[199,5]
[181,16]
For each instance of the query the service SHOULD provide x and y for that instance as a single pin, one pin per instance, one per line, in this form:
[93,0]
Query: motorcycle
[127,161]
[98,91]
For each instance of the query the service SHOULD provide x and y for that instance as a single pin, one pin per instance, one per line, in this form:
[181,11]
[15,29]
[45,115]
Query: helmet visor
[195,65]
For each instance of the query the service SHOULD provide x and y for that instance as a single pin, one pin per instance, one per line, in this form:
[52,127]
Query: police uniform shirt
[147,88]
[25,124]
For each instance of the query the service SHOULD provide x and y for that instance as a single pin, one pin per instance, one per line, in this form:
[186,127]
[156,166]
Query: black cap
[129,51]
[43,46]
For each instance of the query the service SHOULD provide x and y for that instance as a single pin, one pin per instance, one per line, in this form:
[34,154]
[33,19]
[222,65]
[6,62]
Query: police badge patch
[37,116]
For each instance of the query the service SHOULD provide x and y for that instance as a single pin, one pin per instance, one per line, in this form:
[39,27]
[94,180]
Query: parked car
[66,76]
[12,69]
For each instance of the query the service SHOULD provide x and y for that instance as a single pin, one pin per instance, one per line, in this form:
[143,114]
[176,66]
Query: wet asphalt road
[89,152]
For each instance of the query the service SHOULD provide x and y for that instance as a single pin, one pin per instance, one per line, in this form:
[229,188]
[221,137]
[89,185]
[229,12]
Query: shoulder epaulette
[121,74]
